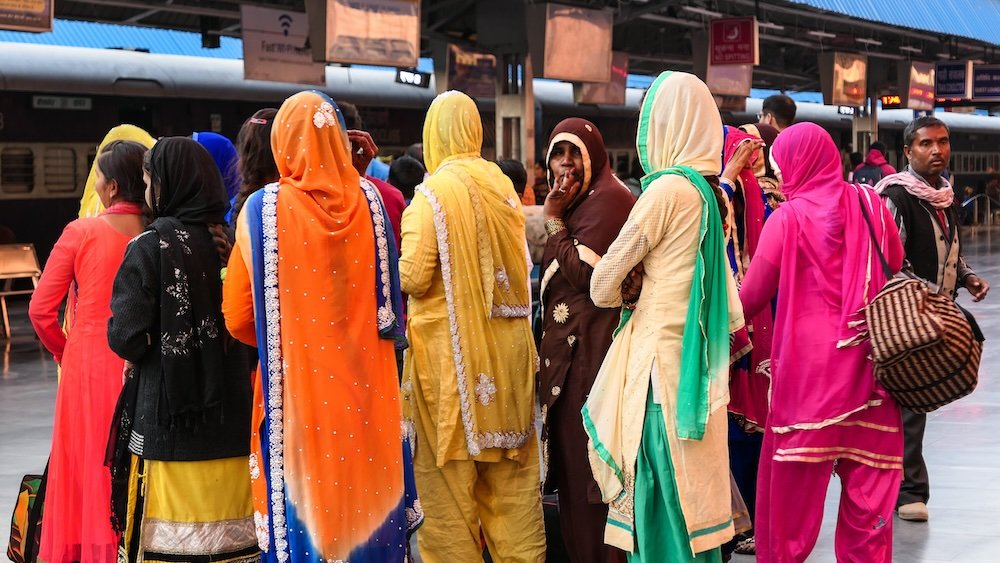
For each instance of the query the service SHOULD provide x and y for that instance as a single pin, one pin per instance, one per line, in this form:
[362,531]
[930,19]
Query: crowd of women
[232,394]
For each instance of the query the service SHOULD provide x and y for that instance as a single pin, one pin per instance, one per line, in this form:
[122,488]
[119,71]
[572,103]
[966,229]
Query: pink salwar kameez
[827,412]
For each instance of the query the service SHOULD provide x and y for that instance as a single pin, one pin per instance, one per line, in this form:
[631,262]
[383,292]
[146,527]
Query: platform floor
[962,445]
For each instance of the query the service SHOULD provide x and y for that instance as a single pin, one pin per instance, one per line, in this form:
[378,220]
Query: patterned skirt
[197,511]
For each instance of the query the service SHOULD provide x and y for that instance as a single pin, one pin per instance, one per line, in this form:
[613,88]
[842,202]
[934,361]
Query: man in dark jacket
[922,203]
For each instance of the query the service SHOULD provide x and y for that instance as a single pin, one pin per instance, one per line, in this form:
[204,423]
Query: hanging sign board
[729,80]
[369,32]
[733,41]
[986,83]
[570,43]
[471,72]
[844,79]
[275,47]
[609,93]
[918,89]
[26,15]
[953,81]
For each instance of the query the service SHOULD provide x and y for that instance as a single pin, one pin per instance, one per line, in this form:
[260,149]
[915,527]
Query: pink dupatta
[749,388]
[817,253]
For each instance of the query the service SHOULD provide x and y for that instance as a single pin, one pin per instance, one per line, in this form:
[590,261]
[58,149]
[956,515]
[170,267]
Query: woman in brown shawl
[584,211]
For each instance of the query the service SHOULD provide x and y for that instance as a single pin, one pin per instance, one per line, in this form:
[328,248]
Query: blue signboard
[986,82]
[951,80]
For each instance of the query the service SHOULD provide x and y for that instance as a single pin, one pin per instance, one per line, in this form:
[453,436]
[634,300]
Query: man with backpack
[875,167]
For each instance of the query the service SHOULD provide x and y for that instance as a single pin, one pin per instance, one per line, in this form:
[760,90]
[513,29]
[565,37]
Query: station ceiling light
[822,34]
[702,11]
[769,25]
[909,49]
[866,41]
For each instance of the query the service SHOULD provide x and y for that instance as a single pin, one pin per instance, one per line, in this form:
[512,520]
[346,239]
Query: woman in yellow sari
[469,373]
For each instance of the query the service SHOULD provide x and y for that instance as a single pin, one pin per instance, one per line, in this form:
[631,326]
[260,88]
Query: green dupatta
[705,343]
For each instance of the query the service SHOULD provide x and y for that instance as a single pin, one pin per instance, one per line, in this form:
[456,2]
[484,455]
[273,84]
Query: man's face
[566,157]
[767,118]
[930,150]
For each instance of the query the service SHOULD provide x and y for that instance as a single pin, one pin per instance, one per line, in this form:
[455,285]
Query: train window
[60,170]
[622,166]
[17,170]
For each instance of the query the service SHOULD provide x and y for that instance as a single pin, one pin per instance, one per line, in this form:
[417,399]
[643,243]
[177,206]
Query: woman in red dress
[86,258]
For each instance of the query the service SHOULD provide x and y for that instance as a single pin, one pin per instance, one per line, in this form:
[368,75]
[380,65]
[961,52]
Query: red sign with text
[733,41]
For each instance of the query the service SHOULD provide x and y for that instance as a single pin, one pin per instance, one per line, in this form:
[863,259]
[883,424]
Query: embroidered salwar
[312,260]
[189,511]
[469,370]
[675,345]
[817,255]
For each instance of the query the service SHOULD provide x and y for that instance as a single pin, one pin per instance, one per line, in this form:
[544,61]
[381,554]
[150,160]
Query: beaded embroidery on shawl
[276,436]
[474,441]
[386,316]
[491,279]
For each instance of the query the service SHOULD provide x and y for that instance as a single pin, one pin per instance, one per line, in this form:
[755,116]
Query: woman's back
[101,250]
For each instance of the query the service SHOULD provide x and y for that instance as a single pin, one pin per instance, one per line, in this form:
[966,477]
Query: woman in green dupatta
[656,417]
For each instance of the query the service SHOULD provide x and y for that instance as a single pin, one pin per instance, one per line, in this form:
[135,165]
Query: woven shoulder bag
[926,348]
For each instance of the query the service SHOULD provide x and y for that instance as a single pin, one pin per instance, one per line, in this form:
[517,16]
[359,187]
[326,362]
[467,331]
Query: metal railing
[989,206]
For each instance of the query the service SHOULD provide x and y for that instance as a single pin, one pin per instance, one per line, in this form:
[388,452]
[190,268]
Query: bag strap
[871,231]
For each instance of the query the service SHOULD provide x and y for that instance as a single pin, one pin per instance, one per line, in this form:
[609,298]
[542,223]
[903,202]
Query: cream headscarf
[672,133]
[90,203]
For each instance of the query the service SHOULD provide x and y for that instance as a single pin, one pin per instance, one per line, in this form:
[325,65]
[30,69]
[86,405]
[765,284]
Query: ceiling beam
[142,16]
[173,8]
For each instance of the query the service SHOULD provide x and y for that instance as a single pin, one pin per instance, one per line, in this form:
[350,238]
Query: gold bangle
[553,226]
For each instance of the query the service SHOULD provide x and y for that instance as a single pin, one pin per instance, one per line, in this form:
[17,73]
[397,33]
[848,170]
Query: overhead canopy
[658,34]
[972,19]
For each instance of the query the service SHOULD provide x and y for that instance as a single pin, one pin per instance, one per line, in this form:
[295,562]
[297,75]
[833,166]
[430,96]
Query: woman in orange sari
[311,283]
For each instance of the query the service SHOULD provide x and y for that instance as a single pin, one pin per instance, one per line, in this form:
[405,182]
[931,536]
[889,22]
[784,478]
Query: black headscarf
[191,188]
[192,329]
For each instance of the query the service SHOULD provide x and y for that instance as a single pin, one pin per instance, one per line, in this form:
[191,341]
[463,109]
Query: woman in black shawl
[179,449]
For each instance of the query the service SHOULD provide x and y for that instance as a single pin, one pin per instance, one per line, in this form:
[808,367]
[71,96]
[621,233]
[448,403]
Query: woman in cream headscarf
[469,373]
[90,203]
[656,415]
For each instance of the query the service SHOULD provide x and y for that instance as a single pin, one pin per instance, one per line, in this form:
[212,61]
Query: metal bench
[17,261]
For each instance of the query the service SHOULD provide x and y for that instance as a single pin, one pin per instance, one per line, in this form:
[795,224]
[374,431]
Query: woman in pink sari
[827,412]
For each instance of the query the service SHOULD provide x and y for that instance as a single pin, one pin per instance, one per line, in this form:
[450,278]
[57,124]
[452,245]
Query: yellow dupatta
[483,257]
[90,204]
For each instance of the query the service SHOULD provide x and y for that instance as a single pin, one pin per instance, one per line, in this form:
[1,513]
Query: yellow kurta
[469,384]
[469,371]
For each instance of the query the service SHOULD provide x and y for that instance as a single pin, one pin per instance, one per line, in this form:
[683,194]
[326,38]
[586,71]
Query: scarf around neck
[914,184]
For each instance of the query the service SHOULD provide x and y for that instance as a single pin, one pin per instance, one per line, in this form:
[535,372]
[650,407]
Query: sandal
[746,547]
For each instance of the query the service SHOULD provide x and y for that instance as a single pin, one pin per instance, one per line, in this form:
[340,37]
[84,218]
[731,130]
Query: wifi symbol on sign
[285,21]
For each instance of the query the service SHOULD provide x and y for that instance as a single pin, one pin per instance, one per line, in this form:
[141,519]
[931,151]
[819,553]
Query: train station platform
[961,445]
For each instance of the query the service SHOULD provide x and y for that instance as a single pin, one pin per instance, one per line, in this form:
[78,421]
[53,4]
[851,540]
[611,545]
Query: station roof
[657,34]
[971,19]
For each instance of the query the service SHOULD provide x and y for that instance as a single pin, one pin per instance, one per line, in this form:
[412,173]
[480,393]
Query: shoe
[746,547]
[914,512]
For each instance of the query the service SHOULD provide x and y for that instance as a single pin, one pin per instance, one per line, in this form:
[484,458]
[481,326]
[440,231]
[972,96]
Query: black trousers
[916,486]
